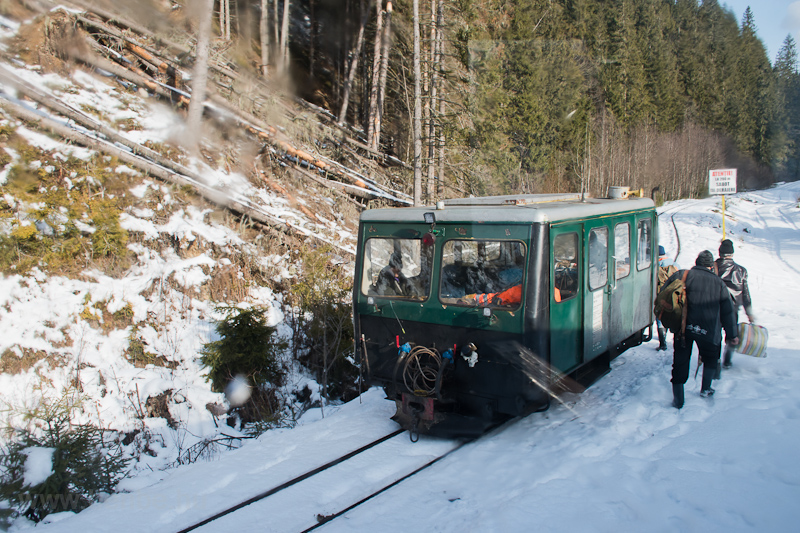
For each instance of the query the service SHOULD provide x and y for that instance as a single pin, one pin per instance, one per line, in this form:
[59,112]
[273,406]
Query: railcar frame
[481,308]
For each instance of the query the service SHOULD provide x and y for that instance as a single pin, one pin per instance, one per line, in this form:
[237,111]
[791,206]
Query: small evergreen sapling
[245,348]
[85,466]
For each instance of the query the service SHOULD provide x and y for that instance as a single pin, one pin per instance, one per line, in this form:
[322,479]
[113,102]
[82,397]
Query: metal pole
[723,217]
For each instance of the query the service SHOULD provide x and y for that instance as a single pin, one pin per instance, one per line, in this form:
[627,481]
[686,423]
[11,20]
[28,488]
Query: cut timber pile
[135,56]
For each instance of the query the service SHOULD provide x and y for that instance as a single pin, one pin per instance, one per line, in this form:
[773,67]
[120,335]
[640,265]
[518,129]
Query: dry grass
[11,363]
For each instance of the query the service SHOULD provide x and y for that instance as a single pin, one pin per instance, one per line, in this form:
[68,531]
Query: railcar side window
[643,258]
[565,266]
[598,257]
[482,273]
[397,268]
[622,249]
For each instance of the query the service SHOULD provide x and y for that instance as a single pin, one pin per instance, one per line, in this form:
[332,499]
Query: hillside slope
[120,249]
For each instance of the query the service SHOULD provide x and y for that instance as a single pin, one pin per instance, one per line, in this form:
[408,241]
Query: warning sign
[722,181]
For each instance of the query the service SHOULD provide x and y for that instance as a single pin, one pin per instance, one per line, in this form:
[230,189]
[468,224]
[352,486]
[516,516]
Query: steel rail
[291,482]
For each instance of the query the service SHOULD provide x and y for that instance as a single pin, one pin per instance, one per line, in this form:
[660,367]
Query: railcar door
[622,287]
[597,243]
[566,297]
[645,275]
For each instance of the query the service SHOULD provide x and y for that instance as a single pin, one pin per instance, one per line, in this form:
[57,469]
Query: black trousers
[709,354]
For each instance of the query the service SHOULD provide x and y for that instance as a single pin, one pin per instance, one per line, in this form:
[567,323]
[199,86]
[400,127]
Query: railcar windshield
[397,268]
[482,273]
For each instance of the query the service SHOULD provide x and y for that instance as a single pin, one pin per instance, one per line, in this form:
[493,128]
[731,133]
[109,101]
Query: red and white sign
[722,181]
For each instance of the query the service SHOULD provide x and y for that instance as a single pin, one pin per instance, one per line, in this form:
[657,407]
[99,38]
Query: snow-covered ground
[616,458]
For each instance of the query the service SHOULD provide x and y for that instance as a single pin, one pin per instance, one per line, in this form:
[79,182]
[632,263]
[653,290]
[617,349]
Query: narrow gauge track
[291,482]
[318,496]
[671,212]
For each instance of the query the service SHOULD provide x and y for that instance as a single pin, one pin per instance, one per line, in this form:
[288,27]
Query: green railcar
[480,308]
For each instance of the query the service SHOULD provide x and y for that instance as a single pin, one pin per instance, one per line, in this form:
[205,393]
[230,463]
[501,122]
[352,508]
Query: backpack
[664,274]
[670,304]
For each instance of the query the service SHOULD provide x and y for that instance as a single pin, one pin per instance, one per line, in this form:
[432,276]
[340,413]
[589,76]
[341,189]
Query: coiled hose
[421,370]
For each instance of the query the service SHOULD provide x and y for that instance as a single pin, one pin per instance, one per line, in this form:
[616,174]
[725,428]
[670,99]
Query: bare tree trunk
[386,44]
[312,39]
[199,77]
[417,109]
[225,19]
[440,50]
[284,53]
[432,138]
[264,36]
[276,32]
[353,66]
[376,66]
[222,19]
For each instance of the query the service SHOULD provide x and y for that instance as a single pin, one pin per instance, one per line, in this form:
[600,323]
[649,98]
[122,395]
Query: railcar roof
[527,209]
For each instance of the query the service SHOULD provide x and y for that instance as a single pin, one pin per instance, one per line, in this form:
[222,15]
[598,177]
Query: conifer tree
[788,89]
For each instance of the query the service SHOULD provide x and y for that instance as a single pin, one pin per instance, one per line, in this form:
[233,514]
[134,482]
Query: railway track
[314,498]
[671,211]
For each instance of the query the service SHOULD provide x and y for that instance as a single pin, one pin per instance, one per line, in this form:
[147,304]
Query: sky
[615,458]
[775,19]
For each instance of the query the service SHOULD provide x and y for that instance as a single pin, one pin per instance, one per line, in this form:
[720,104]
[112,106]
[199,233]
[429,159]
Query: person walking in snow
[709,309]
[666,268]
[735,277]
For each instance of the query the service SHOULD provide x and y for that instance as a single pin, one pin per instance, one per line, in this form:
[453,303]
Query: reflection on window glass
[482,273]
[598,257]
[622,249]
[397,268]
[643,256]
[565,266]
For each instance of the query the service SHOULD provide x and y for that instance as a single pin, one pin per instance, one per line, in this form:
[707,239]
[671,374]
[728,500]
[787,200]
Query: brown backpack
[670,305]
[663,275]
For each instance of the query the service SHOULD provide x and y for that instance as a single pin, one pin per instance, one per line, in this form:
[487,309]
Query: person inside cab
[391,280]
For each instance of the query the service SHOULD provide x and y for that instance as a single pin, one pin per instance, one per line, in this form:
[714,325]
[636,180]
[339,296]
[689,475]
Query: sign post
[721,182]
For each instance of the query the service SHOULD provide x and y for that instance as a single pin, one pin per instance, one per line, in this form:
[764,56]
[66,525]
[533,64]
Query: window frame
[589,257]
[617,277]
[649,244]
[576,241]
[481,244]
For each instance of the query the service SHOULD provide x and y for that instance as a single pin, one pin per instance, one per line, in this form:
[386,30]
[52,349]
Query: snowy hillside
[114,280]
[618,457]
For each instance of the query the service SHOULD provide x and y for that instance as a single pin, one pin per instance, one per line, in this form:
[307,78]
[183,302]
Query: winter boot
[708,375]
[662,338]
[677,395]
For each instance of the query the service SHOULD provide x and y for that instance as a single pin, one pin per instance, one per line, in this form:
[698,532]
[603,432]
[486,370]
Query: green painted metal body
[595,320]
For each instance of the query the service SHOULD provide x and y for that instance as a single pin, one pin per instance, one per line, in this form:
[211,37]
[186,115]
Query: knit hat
[661,251]
[705,259]
[726,247]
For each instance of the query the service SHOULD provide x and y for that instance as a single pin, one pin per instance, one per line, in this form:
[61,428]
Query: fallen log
[209,193]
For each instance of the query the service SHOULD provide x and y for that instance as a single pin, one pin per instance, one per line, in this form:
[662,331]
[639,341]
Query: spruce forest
[549,95]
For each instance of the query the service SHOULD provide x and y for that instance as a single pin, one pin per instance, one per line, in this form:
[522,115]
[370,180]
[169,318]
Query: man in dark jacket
[709,309]
[391,280]
[735,278]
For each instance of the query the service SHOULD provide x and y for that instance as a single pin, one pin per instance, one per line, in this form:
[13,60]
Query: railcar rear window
[482,273]
[565,269]
[397,268]
[622,249]
[598,257]
[643,250]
